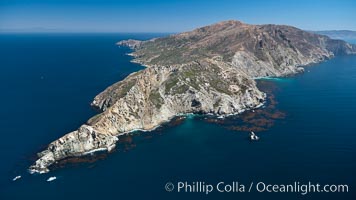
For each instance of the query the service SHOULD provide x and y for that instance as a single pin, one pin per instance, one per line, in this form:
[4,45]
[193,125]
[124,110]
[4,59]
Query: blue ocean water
[47,82]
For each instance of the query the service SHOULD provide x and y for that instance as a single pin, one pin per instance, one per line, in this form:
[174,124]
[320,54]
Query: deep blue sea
[47,81]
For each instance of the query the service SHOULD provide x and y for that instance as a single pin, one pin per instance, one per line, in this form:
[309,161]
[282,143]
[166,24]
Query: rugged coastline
[208,70]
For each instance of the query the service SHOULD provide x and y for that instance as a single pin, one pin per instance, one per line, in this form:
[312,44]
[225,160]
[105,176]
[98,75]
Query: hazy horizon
[159,16]
[44,30]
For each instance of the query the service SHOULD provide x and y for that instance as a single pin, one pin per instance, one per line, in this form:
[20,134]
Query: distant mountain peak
[228,23]
[219,26]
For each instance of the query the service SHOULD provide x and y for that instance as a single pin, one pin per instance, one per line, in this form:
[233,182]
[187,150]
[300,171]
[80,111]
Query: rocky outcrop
[130,43]
[83,141]
[208,70]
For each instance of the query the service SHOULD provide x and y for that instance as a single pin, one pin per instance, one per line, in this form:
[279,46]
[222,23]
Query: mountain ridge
[209,70]
[252,38]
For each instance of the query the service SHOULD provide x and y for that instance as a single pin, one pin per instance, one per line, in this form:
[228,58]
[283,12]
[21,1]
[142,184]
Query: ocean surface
[47,81]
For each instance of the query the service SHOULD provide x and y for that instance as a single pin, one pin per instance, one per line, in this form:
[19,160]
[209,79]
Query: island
[339,34]
[210,70]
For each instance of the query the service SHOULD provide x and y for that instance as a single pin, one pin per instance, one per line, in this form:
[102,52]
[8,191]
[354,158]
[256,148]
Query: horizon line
[119,32]
[132,32]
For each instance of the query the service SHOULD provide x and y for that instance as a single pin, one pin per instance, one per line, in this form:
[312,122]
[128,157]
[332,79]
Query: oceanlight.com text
[261,187]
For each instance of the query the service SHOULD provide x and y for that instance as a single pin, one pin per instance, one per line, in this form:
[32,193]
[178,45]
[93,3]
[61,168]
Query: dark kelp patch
[257,120]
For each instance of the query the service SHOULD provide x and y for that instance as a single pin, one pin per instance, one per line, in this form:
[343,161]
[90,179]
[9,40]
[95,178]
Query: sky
[170,15]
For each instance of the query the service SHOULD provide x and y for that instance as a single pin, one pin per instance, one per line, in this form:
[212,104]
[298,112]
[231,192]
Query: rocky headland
[209,70]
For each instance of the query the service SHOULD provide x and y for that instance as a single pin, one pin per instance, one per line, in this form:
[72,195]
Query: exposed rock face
[130,43]
[77,143]
[208,70]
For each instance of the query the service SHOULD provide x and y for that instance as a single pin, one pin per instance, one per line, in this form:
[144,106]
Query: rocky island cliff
[207,70]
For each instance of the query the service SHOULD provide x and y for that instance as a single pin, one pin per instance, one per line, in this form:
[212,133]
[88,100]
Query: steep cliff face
[208,70]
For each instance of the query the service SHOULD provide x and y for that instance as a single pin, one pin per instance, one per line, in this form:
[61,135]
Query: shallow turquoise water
[48,81]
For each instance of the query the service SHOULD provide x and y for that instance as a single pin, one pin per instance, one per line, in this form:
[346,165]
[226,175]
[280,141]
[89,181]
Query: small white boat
[253,136]
[16,178]
[52,178]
